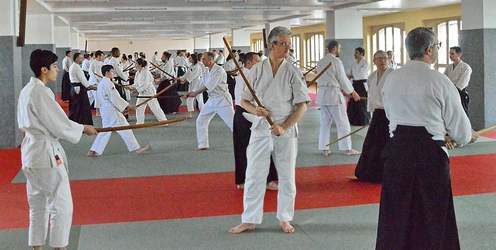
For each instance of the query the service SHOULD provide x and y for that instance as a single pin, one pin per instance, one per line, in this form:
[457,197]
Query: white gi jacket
[169,68]
[359,70]
[66,64]
[95,67]
[86,65]
[144,82]
[215,80]
[417,95]
[229,65]
[240,85]
[118,71]
[44,121]
[332,81]
[374,100]
[76,75]
[460,75]
[193,76]
[279,94]
[112,104]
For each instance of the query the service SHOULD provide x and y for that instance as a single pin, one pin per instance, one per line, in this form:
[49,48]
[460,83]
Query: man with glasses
[422,105]
[459,73]
[281,88]
[370,166]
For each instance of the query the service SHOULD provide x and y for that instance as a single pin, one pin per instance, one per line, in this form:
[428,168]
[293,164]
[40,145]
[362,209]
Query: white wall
[62,36]
[74,39]
[147,46]
[82,42]
[7,19]
[216,40]
[40,29]
[202,43]
[478,14]
[241,38]
[349,24]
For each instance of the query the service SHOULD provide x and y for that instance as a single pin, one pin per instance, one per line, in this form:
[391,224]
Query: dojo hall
[175,182]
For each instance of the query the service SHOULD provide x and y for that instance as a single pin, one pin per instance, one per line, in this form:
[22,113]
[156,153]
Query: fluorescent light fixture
[314,19]
[172,22]
[160,28]
[180,39]
[379,9]
[253,30]
[216,1]
[157,30]
[224,18]
[125,23]
[121,35]
[141,8]
[256,7]
[96,31]
[76,1]
[133,19]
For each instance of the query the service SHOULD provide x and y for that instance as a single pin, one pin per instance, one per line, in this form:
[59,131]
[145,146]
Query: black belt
[360,81]
[418,132]
[76,84]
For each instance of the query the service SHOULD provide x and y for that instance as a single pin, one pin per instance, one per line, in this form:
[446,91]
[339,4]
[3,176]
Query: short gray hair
[276,32]
[210,54]
[418,40]
[379,52]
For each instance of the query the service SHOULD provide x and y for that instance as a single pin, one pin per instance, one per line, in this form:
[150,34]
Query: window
[389,38]
[295,44]
[447,33]
[314,48]
[257,45]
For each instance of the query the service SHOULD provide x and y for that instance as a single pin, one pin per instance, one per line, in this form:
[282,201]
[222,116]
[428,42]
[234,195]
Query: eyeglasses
[438,44]
[380,59]
[284,44]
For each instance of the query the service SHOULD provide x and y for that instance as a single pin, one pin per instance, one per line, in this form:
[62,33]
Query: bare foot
[190,115]
[93,154]
[242,227]
[240,186]
[141,150]
[201,149]
[352,178]
[325,152]
[272,186]
[351,152]
[286,227]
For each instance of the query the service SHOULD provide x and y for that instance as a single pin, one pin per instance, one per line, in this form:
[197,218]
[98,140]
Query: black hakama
[241,139]
[66,87]
[79,105]
[181,72]
[231,83]
[465,99]
[357,111]
[370,167]
[416,209]
[168,105]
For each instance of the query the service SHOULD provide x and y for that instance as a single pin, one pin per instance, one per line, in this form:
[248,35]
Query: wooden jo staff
[128,67]
[352,133]
[246,80]
[317,76]
[116,84]
[156,95]
[146,125]
[160,97]
[163,71]
[485,130]
[310,70]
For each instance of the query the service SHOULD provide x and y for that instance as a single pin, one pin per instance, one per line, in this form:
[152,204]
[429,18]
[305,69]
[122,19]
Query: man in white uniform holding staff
[43,159]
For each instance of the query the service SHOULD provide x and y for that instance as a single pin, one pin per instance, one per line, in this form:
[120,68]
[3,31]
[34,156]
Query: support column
[477,42]
[40,34]
[11,80]
[63,43]
[74,41]
[346,27]
[241,40]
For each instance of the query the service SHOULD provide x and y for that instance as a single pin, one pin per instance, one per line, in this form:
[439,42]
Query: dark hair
[67,52]
[129,57]
[106,68]
[114,51]
[141,62]
[242,57]
[239,51]
[41,58]
[210,54]
[86,56]
[167,55]
[360,50]
[220,51]
[124,57]
[457,49]
[91,54]
[249,56]
[98,53]
[75,56]
[228,57]
[195,58]
[332,44]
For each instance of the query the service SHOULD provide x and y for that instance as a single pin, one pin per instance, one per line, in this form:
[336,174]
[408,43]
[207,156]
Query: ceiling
[121,19]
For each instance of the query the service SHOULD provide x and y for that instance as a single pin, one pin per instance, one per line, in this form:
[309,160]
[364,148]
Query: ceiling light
[224,18]
[141,8]
[314,19]
[172,22]
[125,23]
[76,1]
[379,9]
[256,7]
[133,19]
[121,35]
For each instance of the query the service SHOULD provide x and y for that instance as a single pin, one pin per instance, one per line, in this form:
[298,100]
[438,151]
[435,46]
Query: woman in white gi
[193,76]
[284,94]
[112,107]
[144,84]
[43,159]
[95,78]
[219,100]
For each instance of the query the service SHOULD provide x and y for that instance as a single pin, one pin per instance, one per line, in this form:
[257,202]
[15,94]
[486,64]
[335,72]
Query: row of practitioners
[283,92]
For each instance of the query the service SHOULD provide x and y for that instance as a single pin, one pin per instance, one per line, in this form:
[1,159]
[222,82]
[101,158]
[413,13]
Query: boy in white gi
[193,77]
[43,159]
[214,81]
[284,94]
[112,107]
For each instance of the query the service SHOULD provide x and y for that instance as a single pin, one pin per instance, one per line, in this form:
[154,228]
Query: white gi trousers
[204,118]
[93,97]
[284,151]
[328,113]
[49,198]
[154,106]
[190,103]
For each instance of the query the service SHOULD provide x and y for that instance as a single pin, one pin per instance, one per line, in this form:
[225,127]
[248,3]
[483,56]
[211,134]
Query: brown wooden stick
[348,135]
[485,130]
[128,67]
[310,70]
[246,80]
[363,98]
[146,125]
[161,97]
[155,96]
[162,70]
[317,76]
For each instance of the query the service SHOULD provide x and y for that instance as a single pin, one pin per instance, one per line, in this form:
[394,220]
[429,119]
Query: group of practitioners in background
[405,147]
